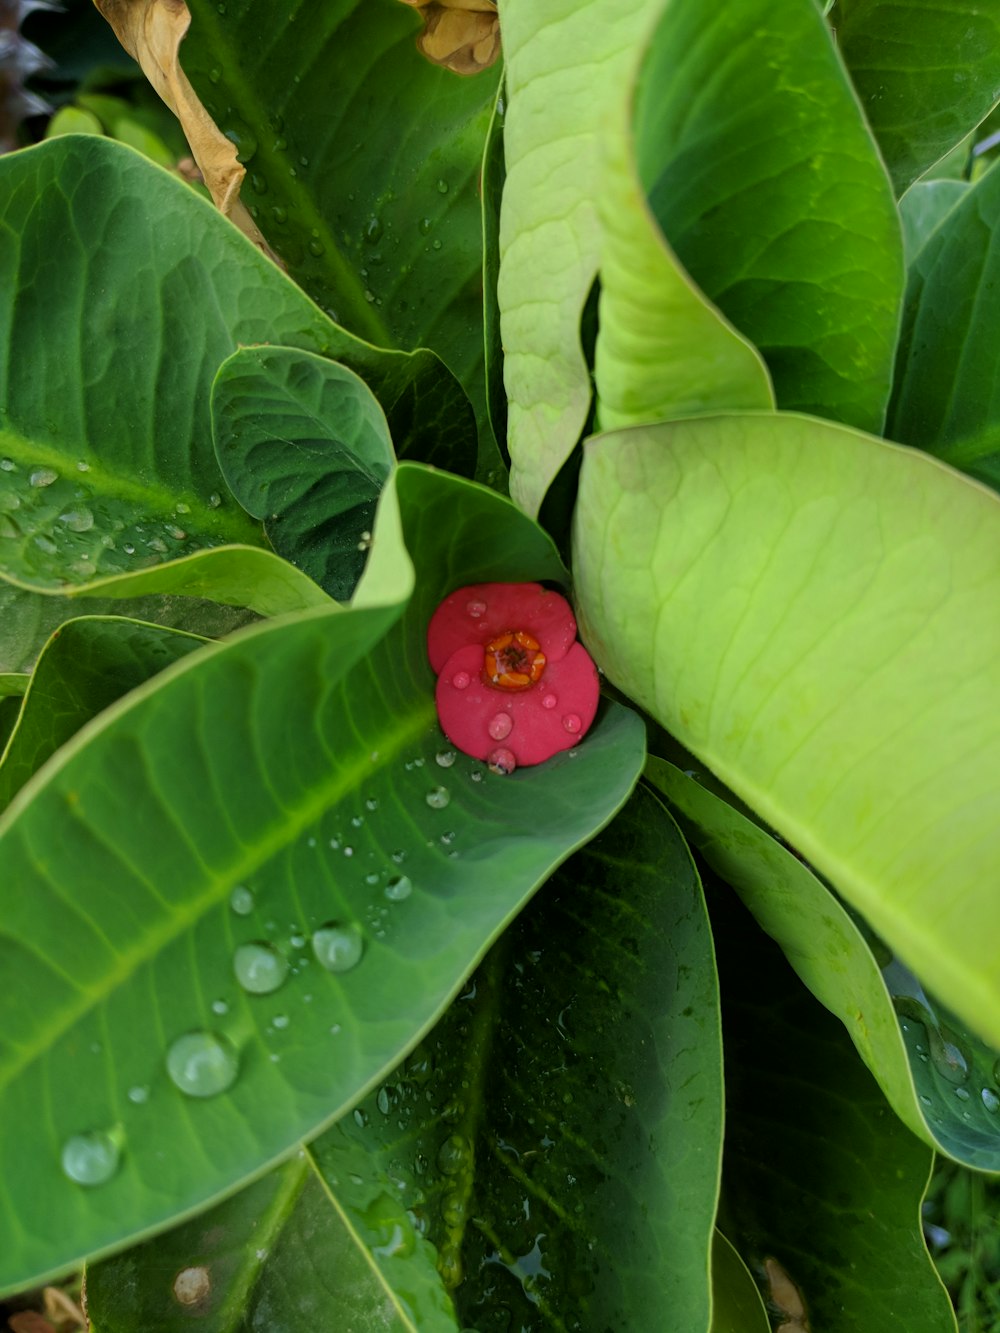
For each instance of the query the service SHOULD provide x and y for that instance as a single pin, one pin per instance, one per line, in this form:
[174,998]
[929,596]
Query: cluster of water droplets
[55,528]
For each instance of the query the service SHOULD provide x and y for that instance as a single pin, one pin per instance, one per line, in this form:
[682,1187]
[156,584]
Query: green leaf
[926,73]
[304,446]
[946,395]
[277,1255]
[27,619]
[494,179]
[922,209]
[774,198]
[294,763]
[941,1081]
[662,349]
[106,458]
[553,142]
[363,163]
[813,613]
[822,1185]
[561,1154]
[13,684]
[736,1303]
[86,666]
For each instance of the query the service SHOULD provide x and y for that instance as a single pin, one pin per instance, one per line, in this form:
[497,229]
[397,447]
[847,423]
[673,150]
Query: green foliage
[311,1021]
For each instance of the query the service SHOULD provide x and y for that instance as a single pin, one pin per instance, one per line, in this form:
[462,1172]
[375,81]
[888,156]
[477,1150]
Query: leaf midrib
[347,780]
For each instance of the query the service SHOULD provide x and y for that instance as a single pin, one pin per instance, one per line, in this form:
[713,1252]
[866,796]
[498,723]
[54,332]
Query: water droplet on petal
[202,1064]
[338,948]
[445,758]
[461,680]
[241,901]
[259,968]
[438,797]
[91,1159]
[549,701]
[501,726]
[501,761]
[572,723]
[43,476]
[398,888]
[476,609]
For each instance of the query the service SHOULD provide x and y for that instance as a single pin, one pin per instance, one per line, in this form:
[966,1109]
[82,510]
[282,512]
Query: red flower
[514,686]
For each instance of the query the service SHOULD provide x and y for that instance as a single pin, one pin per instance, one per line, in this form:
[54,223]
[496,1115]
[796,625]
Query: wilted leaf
[462,35]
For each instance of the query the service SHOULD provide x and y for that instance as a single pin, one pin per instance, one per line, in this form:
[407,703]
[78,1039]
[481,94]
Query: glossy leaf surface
[736,1303]
[923,207]
[87,665]
[106,459]
[926,73]
[363,162]
[854,651]
[773,196]
[295,764]
[946,395]
[304,446]
[275,1256]
[939,1079]
[562,1159]
[822,1185]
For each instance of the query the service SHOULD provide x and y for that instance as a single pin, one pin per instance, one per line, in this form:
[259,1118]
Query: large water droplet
[202,1064]
[501,761]
[92,1159]
[445,758]
[990,1100]
[259,967]
[43,476]
[453,1155]
[398,888]
[338,948]
[500,726]
[7,465]
[948,1058]
[77,520]
[241,901]
[438,797]
[572,723]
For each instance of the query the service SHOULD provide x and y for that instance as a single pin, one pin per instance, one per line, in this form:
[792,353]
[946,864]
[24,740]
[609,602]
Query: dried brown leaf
[461,35]
[151,31]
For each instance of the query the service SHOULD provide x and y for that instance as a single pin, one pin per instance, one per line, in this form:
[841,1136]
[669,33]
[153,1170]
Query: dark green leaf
[363,162]
[927,72]
[106,462]
[822,1185]
[557,1135]
[87,665]
[946,395]
[296,763]
[923,207]
[766,182]
[736,1303]
[277,1256]
[304,446]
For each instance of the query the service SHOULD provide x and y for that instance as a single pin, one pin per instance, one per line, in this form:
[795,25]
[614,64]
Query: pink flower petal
[481,611]
[532,724]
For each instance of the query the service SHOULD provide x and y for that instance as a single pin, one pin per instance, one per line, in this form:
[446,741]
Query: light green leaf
[303,445]
[86,666]
[736,1303]
[926,73]
[561,1162]
[923,207]
[276,1256]
[13,684]
[567,76]
[662,349]
[940,1080]
[764,177]
[821,1184]
[363,163]
[494,179]
[946,395]
[106,458]
[814,614]
[294,763]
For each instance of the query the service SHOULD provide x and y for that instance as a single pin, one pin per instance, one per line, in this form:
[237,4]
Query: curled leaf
[151,31]
[461,35]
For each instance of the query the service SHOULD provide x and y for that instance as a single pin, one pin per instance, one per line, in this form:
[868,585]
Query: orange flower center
[513,661]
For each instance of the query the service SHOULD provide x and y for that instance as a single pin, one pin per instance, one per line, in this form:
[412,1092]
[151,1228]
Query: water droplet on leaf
[338,948]
[43,476]
[202,1064]
[259,968]
[438,797]
[91,1159]
[398,888]
[241,901]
